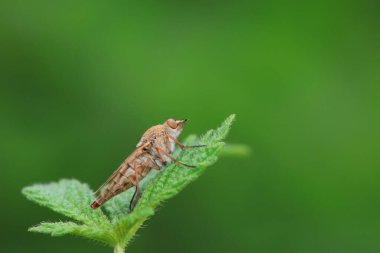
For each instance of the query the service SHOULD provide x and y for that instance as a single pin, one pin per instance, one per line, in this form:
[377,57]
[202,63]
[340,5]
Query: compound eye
[172,123]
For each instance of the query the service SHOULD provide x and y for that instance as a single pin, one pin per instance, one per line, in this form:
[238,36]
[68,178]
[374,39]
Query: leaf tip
[230,119]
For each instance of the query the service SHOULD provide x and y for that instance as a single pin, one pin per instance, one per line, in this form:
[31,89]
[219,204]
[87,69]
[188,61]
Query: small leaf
[64,228]
[68,197]
[236,150]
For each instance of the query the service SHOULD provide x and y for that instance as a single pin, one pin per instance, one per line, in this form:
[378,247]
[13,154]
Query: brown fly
[152,152]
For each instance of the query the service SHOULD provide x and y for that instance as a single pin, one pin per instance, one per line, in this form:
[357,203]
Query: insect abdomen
[95,204]
[112,190]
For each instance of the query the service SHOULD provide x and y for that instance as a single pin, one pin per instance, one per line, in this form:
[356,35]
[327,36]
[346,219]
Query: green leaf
[64,228]
[68,197]
[72,198]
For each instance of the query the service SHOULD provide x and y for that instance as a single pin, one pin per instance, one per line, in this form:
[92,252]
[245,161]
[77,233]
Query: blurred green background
[82,80]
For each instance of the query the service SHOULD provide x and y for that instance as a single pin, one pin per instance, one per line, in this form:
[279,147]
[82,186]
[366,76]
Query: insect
[152,152]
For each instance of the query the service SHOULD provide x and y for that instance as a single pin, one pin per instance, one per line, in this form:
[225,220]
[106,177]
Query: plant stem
[119,249]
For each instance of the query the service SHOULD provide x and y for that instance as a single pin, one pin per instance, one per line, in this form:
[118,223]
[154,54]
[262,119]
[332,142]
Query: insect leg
[162,159]
[159,149]
[136,195]
[181,145]
[154,164]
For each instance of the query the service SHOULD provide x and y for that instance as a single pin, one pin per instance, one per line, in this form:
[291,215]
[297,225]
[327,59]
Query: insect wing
[110,178]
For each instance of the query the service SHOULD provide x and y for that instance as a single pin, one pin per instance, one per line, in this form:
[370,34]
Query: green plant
[115,227]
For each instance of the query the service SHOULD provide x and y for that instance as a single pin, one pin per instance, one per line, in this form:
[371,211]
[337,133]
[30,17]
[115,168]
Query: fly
[152,152]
